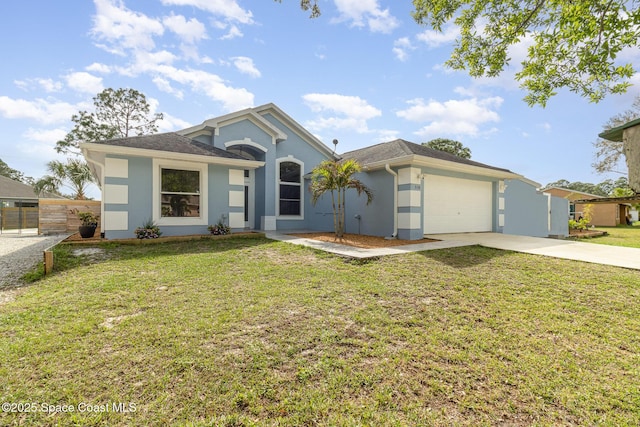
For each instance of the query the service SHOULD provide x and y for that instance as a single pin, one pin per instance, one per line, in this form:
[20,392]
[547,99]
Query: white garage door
[455,205]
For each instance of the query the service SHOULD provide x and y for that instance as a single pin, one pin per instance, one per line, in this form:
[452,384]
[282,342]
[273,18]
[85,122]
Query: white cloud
[233,32]
[245,66]
[128,33]
[170,123]
[228,9]
[453,117]
[50,136]
[435,39]
[123,28]
[48,85]
[190,31]
[84,82]
[401,47]
[98,68]
[366,12]
[165,86]
[346,112]
[211,85]
[40,110]
[546,126]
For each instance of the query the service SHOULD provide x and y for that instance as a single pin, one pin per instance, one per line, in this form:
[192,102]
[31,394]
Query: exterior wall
[128,199]
[410,197]
[133,176]
[526,211]
[376,219]
[299,150]
[604,215]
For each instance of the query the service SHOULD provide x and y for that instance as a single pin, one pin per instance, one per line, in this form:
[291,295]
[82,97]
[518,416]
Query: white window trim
[301,163]
[203,219]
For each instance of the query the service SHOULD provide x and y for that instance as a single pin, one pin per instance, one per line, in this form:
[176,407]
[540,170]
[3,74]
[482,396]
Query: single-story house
[251,170]
[19,204]
[602,214]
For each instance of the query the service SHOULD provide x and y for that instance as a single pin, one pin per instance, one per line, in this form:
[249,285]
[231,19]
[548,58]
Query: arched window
[289,187]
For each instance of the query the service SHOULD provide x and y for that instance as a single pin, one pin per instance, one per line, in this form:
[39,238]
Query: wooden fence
[58,215]
[18,218]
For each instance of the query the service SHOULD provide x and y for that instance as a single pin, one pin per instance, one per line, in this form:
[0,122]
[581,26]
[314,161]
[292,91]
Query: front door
[249,199]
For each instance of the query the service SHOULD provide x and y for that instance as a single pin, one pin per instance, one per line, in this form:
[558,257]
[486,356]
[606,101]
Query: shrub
[219,229]
[149,230]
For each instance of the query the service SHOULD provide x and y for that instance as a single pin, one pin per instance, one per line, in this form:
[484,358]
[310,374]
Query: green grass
[623,235]
[255,332]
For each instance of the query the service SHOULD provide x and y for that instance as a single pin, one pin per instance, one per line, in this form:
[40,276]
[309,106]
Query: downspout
[395,200]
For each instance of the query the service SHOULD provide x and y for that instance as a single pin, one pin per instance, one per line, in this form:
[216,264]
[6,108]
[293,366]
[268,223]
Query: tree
[74,174]
[450,146]
[119,113]
[609,154]
[336,177]
[606,188]
[9,172]
[574,44]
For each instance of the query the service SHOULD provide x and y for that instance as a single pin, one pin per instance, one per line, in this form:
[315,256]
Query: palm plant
[336,177]
[74,174]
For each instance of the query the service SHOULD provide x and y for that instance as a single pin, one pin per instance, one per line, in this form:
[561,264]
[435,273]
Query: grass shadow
[464,256]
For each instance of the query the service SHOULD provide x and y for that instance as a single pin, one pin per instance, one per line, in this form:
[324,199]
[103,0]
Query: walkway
[566,249]
[354,252]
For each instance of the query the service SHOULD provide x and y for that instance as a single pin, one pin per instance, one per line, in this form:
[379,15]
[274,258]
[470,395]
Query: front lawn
[255,332]
[622,235]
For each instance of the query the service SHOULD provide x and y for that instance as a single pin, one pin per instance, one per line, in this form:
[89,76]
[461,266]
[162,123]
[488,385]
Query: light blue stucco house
[251,170]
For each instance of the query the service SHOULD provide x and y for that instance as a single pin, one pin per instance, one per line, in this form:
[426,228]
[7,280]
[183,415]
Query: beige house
[602,214]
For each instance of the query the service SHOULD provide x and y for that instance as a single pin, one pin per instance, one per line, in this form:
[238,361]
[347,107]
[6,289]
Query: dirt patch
[7,295]
[360,240]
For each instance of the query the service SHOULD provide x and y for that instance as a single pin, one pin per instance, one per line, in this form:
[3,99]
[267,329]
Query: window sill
[181,221]
[290,217]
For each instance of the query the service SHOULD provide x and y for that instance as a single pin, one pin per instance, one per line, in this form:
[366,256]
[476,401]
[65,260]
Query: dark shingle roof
[11,189]
[388,151]
[171,142]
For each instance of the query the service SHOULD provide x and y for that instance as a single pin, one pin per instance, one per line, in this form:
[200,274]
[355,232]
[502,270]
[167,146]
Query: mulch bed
[360,240]
[577,234]
[77,238]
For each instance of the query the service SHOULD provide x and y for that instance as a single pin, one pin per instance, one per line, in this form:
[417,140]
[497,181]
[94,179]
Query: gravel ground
[20,253]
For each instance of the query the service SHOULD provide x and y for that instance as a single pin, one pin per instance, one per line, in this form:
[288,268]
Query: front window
[290,184]
[180,193]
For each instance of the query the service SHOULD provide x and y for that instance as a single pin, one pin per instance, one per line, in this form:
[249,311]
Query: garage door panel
[455,205]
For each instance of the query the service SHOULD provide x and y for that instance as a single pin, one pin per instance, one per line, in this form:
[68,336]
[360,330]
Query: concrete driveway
[567,249]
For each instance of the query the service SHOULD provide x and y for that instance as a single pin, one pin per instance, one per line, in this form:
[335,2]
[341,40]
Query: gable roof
[617,132]
[169,142]
[400,152]
[400,148]
[256,116]
[12,189]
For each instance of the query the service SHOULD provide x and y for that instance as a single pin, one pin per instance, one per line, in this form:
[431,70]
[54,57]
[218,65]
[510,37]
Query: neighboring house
[607,214]
[251,169]
[19,204]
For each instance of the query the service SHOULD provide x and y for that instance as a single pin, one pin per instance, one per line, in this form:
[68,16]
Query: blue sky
[364,72]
